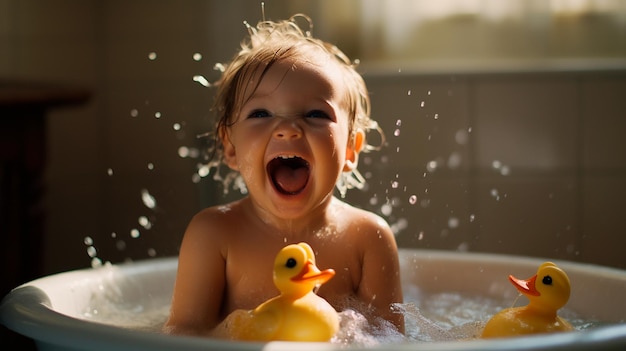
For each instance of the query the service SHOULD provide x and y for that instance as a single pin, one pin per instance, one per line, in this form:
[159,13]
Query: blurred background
[505,123]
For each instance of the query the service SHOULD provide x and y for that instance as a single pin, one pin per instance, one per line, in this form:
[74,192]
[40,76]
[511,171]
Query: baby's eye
[259,114]
[317,114]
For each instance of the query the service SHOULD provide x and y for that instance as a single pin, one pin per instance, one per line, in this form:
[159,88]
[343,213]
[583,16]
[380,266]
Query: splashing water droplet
[408,93]
[386,209]
[183,151]
[96,262]
[413,199]
[148,200]
[472,217]
[110,171]
[396,132]
[394,184]
[152,56]
[134,112]
[422,104]
[197,56]
[144,222]
[151,166]
[453,222]
[88,240]
[134,233]
[157,114]
[461,137]
[200,79]
[431,166]
[204,171]
[176,126]
[92,252]
[219,67]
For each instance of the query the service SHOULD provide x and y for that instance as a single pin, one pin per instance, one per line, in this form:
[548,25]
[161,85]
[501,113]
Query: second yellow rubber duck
[547,291]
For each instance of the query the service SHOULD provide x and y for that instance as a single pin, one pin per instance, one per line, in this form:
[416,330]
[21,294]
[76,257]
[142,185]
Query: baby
[293,117]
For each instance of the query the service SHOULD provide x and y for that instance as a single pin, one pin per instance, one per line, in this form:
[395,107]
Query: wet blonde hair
[270,42]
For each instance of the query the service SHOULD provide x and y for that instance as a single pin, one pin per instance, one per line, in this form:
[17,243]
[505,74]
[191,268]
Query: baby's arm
[380,278]
[200,279]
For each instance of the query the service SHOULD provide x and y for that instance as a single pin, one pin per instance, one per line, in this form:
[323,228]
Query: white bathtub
[69,310]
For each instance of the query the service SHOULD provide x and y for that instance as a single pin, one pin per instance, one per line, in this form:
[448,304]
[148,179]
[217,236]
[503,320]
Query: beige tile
[604,230]
[527,216]
[604,121]
[526,122]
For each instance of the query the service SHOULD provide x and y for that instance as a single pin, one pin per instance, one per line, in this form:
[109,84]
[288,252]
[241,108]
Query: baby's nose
[287,129]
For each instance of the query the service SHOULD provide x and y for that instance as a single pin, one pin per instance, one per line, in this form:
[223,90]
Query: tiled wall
[522,163]
[526,163]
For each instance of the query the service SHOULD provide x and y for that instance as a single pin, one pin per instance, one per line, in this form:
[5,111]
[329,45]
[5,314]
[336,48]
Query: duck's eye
[547,280]
[291,262]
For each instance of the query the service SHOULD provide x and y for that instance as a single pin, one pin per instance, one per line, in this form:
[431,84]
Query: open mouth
[289,174]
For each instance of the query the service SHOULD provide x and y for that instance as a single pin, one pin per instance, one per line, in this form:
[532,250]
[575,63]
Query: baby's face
[290,138]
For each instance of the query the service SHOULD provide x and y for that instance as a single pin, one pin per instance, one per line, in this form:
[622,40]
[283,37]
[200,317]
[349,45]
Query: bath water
[429,317]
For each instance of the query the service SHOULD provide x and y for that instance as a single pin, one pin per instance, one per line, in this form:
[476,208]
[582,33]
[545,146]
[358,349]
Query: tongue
[290,180]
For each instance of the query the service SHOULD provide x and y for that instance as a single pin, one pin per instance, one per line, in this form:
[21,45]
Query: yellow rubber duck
[297,314]
[547,292]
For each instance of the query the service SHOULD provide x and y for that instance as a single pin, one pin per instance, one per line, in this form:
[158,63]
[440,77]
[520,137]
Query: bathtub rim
[26,310]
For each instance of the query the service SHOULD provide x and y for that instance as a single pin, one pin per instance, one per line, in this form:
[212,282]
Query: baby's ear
[230,154]
[352,152]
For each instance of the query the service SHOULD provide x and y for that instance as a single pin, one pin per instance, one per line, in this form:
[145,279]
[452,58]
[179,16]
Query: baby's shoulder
[216,219]
[355,217]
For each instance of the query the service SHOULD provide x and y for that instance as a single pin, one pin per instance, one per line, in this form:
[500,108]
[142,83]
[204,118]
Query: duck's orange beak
[310,272]
[525,286]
